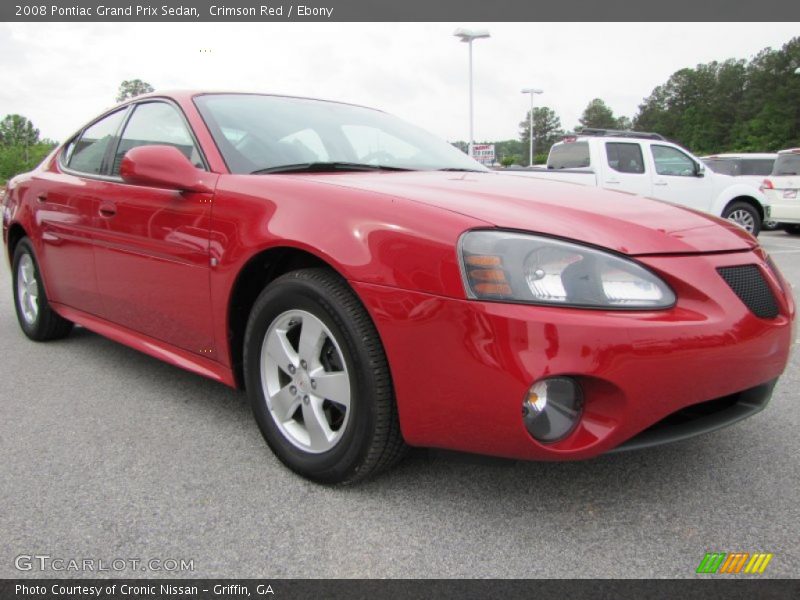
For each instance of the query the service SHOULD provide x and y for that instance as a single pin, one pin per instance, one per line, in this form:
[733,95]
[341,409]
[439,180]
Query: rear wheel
[318,379]
[36,318]
[744,215]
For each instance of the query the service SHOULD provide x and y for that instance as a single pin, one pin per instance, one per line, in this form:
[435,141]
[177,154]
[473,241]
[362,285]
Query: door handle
[41,198]
[108,209]
[659,183]
[612,181]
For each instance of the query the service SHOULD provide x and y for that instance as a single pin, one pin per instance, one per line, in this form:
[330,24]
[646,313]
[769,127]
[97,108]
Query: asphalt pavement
[108,454]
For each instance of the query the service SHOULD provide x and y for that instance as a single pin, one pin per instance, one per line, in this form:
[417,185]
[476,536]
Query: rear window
[569,155]
[787,164]
[757,166]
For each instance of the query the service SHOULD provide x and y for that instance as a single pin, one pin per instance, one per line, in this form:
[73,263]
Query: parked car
[647,164]
[781,188]
[372,287]
[747,167]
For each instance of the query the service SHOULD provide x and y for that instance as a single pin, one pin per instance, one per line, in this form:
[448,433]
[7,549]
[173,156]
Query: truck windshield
[569,155]
[263,134]
[787,164]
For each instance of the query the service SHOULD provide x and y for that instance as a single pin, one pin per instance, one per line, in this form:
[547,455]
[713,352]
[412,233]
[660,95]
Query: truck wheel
[36,319]
[318,379]
[744,215]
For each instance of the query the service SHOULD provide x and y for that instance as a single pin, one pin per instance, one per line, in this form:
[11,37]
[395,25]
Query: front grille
[748,282]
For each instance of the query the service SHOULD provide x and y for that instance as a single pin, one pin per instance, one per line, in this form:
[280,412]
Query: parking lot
[108,453]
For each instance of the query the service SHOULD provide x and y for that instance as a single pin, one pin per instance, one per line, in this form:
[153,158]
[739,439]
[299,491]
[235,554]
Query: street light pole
[468,36]
[531,91]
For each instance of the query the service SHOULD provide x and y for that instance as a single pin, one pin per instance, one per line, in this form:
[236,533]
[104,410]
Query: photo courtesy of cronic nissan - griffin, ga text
[373,288]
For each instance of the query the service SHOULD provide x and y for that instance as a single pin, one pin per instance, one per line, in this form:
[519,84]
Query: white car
[781,189]
[750,167]
[648,165]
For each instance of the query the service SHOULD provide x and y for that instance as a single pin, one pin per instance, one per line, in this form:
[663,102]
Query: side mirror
[700,170]
[164,167]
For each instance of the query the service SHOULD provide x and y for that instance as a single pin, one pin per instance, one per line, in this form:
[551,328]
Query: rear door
[676,178]
[65,205]
[624,168]
[152,244]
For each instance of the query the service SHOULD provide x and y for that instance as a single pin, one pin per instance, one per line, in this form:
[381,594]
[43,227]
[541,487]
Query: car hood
[619,221]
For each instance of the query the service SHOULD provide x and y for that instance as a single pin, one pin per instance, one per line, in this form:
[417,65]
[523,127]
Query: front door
[152,244]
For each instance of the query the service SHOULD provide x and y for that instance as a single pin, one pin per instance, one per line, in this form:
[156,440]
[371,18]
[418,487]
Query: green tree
[17,131]
[130,88]
[597,114]
[546,131]
[734,105]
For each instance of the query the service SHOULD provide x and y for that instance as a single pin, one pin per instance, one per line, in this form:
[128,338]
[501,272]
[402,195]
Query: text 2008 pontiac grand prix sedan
[371,287]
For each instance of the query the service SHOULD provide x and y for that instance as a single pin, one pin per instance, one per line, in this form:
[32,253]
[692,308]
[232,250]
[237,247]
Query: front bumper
[462,368]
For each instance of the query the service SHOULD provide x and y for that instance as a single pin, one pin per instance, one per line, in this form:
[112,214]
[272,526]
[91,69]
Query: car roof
[187,95]
[790,151]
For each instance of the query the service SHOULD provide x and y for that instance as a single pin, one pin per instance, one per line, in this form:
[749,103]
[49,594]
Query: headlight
[516,267]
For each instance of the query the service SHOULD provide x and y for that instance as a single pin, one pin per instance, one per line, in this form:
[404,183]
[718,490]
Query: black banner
[436,589]
[393,10]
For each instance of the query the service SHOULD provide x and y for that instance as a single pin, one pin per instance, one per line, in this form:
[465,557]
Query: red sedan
[371,287]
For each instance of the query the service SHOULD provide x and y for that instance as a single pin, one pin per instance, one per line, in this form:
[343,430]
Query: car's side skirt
[151,346]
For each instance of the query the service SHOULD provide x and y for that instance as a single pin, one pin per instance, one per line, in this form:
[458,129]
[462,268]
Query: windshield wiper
[323,167]
[462,170]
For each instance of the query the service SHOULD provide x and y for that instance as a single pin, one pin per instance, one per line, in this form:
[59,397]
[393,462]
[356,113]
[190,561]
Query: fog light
[552,407]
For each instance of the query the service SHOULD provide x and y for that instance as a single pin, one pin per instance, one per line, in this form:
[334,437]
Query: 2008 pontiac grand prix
[371,287]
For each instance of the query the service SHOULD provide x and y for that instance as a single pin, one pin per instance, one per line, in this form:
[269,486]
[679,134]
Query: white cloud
[61,74]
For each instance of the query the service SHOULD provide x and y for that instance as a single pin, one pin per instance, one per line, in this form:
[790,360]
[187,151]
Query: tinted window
[256,132]
[787,164]
[757,166]
[670,161]
[88,152]
[156,123]
[625,157]
[724,166]
[569,155]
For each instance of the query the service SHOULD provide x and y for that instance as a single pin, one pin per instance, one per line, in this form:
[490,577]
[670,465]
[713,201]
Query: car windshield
[273,134]
[787,164]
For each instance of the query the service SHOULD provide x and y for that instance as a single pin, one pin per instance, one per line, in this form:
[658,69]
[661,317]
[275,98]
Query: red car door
[65,204]
[152,245]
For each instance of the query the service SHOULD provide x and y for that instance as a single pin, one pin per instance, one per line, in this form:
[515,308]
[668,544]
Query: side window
[671,161]
[156,123]
[625,157]
[86,155]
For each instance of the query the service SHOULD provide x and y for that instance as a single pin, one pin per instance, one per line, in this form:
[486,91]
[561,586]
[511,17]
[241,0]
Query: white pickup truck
[648,165]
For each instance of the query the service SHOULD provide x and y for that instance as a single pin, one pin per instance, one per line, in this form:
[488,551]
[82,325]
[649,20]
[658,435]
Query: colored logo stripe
[721,562]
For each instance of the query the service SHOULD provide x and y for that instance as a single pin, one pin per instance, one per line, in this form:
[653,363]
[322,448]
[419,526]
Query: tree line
[730,106]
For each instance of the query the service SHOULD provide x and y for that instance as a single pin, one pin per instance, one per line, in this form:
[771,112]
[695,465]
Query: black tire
[735,207]
[47,324]
[371,441]
[792,229]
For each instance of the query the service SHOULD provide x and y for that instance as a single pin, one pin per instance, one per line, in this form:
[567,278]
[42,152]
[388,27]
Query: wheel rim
[305,381]
[743,219]
[27,289]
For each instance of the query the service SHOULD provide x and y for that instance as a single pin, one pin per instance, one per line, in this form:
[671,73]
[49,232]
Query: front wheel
[318,379]
[745,216]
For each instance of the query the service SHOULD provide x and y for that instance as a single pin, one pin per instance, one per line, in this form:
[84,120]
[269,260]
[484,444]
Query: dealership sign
[483,153]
